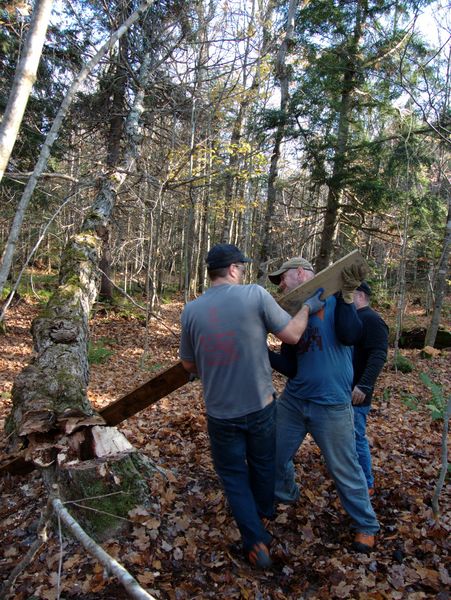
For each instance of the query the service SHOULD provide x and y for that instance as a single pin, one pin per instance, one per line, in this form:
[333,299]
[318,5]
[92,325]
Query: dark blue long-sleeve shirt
[370,352]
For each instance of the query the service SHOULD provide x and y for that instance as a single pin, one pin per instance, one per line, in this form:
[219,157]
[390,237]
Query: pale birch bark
[132,587]
[440,282]
[52,136]
[24,78]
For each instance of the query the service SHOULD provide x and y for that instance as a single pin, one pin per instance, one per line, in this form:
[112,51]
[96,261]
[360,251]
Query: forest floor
[190,550]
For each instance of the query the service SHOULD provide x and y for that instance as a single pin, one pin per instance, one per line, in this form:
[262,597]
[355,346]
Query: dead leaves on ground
[186,545]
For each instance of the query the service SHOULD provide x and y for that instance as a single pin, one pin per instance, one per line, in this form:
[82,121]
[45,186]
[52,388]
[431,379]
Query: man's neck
[360,305]
[223,281]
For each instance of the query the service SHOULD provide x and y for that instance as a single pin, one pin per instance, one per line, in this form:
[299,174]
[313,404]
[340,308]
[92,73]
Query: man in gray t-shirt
[224,340]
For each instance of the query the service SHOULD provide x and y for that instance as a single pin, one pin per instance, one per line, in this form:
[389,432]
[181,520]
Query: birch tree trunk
[8,254]
[24,79]
[51,414]
[440,281]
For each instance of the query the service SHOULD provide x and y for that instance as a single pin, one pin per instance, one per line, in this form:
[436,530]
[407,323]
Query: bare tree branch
[130,584]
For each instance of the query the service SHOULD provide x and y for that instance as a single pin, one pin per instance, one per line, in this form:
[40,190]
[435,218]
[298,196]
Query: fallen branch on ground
[444,467]
[130,584]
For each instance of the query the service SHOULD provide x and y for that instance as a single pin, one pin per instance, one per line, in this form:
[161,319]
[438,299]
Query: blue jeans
[361,442]
[243,452]
[332,428]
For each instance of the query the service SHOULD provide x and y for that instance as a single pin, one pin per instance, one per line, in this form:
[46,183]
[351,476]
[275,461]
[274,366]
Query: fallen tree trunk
[416,338]
[51,417]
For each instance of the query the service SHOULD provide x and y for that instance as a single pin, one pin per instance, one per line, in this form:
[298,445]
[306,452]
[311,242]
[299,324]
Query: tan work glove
[351,278]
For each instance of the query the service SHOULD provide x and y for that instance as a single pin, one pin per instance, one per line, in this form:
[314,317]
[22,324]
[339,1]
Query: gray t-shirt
[224,332]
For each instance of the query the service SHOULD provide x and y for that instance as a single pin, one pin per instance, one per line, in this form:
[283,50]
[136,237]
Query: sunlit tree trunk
[24,79]
[51,414]
[440,280]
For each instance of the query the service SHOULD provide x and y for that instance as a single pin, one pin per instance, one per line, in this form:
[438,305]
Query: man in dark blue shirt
[317,399]
[370,354]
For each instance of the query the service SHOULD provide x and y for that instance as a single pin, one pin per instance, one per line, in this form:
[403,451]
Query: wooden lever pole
[147,394]
[175,377]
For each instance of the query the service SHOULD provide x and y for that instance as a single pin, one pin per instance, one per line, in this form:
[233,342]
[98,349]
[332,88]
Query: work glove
[351,278]
[314,303]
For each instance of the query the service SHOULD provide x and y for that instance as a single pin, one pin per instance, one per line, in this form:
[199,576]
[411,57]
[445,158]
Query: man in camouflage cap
[317,398]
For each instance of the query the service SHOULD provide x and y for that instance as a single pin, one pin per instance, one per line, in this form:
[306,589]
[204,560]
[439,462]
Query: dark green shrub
[401,363]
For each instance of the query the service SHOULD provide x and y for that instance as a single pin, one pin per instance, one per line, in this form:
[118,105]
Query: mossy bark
[53,387]
[51,416]
[99,494]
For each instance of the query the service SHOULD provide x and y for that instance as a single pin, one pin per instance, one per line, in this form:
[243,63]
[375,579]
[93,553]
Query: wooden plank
[329,279]
[147,394]
[150,392]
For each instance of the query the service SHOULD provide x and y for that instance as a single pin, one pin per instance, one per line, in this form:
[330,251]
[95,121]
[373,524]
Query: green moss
[71,392]
[10,426]
[121,490]
[98,354]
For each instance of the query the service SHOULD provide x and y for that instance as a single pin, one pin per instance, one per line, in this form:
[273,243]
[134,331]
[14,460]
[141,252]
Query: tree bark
[51,414]
[24,79]
[440,281]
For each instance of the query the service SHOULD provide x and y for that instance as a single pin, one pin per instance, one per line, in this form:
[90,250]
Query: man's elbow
[189,366]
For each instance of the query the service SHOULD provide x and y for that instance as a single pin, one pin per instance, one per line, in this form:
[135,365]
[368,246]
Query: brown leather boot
[363,542]
[259,556]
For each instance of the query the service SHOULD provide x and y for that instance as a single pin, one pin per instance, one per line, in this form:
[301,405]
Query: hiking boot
[363,542]
[259,556]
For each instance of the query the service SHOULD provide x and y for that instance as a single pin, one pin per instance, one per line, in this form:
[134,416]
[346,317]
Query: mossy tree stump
[52,418]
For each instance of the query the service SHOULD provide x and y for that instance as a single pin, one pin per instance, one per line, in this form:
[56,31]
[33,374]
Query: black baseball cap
[223,255]
[364,287]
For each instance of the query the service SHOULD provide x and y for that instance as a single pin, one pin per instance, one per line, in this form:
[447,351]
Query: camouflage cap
[292,263]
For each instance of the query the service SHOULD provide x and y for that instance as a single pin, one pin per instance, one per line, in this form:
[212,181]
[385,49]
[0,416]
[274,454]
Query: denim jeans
[361,442]
[243,451]
[332,428]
